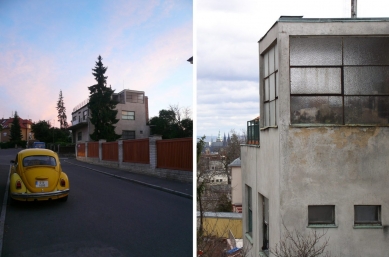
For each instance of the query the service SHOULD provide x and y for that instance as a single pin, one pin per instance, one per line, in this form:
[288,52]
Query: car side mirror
[12,161]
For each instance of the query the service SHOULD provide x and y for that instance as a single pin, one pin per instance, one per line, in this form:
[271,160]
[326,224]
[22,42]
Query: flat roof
[323,20]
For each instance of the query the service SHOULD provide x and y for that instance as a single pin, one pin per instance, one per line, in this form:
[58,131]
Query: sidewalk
[170,186]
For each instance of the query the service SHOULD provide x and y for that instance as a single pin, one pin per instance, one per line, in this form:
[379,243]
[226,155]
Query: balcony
[253,131]
[76,124]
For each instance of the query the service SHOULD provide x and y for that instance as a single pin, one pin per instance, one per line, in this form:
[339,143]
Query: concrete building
[25,127]
[323,157]
[132,113]
[212,169]
[236,185]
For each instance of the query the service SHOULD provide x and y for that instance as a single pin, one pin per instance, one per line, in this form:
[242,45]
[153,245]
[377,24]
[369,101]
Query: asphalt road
[104,216]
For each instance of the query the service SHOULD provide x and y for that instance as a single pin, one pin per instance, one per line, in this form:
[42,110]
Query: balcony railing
[253,132]
[83,103]
[75,122]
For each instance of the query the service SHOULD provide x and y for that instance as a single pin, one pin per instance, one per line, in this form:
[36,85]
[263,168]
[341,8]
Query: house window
[134,97]
[128,134]
[265,245]
[140,98]
[270,88]
[85,114]
[339,80]
[79,136]
[367,215]
[321,214]
[74,118]
[127,115]
[249,225]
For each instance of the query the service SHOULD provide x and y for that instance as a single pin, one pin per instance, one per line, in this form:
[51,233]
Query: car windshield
[39,160]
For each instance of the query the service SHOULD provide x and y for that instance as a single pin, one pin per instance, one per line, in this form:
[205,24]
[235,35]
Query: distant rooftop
[235,163]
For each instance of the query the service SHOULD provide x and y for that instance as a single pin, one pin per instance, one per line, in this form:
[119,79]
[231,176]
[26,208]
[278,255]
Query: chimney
[353,8]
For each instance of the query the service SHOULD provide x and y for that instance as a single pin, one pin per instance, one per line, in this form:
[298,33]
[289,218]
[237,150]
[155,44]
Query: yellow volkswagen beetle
[36,175]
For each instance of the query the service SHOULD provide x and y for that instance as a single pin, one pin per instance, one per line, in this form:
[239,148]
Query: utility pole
[353,8]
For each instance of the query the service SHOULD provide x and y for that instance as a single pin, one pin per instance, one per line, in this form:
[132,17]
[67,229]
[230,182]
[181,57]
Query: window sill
[336,125]
[322,226]
[269,127]
[367,226]
[248,237]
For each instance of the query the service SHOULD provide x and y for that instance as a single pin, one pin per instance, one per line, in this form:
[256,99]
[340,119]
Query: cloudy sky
[227,52]
[47,46]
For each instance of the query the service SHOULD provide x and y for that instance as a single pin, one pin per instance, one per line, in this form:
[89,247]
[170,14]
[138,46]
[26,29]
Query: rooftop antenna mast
[353,8]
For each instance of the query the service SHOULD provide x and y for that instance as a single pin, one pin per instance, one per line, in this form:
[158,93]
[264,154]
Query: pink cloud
[28,82]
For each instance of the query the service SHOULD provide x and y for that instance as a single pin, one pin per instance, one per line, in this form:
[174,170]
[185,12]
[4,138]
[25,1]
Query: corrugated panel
[81,150]
[93,149]
[136,151]
[176,154]
[110,151]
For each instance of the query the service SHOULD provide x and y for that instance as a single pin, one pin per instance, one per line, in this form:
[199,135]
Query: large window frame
[270,88]
[128,115]
[128,134]
[249,215]
[343,81]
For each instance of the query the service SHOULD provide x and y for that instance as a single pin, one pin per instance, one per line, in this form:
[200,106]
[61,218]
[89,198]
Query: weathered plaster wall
[341,166]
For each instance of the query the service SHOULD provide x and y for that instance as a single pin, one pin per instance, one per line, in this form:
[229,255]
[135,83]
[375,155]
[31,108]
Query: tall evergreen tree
[62,119]
[102,106]
[16,130]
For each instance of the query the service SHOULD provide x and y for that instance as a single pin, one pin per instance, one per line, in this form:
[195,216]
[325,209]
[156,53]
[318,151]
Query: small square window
[367,214]
[321,214]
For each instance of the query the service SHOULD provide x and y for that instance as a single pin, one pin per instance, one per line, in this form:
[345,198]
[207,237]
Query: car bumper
[43,195]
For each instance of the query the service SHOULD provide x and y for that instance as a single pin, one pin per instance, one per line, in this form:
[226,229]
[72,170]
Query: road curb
[137,182]
[3,213]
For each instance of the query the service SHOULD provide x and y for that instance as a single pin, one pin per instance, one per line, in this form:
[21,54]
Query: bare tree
[180,112]
[295,244]
[200,185]
[230,153]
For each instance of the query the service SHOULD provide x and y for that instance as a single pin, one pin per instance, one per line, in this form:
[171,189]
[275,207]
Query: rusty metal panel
[93,149]
[136,151]
[176,154]
[110,151]
[81,150]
